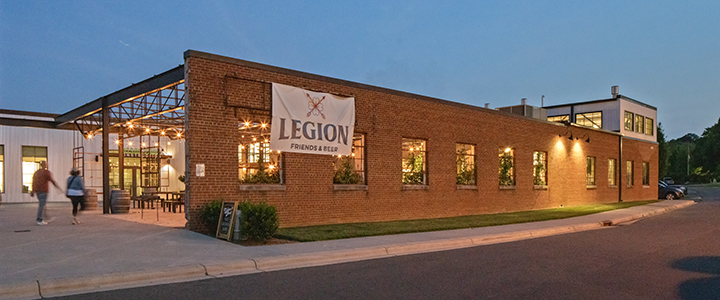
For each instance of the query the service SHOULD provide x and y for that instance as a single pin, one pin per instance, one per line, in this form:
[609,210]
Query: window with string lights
[465,164]
[350,169]
[506,169]
[258,164]
[414,160]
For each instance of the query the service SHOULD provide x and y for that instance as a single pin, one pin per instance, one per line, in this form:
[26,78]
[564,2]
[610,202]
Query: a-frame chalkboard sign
[227,218]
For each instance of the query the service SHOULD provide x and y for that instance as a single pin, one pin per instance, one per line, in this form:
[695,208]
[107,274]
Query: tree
[707,152]
[663,154]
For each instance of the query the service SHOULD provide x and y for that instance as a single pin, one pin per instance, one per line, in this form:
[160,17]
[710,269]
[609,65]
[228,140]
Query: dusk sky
[58,55]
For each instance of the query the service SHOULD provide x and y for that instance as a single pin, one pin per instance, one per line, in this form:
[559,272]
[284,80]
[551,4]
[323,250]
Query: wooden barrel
[119,201]
[91,200]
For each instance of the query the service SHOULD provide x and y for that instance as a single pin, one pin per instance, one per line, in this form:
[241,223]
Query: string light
[271,167]
[168,143]
[266,140]
[130,143]
[162,132]
[263,125]
[254,139]
[117,142]
[142,145]
[147,129]
[507,150]
[156,144]
[247,124]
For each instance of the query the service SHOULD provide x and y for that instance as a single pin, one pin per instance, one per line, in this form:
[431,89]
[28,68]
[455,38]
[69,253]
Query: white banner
[310,122]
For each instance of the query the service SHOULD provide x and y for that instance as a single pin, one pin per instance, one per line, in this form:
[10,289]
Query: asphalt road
[670,256]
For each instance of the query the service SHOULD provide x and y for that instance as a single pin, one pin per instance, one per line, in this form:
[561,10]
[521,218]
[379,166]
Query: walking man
[41,186]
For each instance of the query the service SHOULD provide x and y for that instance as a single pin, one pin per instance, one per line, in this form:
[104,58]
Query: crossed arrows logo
[315,106]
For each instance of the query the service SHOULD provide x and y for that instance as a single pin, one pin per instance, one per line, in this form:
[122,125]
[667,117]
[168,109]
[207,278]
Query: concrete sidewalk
[105,253]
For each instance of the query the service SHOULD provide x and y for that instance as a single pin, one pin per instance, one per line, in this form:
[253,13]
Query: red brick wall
[222,91]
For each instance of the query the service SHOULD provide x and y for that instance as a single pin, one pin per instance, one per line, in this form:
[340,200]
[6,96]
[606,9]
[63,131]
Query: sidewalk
[106,253]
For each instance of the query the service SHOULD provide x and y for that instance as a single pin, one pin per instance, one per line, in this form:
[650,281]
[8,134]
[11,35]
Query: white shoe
[41,223]
[75,221]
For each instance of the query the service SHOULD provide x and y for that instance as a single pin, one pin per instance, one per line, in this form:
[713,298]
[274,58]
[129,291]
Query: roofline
[254,65]
[603,100]
[153,83]
[28,113]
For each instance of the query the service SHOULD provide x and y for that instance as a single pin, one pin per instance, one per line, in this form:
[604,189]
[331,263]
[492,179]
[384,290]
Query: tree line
[690,158]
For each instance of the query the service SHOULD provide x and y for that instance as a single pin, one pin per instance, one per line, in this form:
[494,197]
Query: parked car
[668,192]
[683,188]
[668,180]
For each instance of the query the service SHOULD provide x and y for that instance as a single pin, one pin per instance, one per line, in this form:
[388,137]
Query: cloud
[126,45]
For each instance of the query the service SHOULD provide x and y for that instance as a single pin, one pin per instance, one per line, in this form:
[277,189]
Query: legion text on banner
[310,122]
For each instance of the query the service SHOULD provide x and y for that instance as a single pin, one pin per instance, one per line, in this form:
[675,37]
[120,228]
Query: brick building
[225,94]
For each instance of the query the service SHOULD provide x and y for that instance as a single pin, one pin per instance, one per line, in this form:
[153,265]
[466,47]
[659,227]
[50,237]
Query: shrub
[345,172]
[259,220]
[210,214]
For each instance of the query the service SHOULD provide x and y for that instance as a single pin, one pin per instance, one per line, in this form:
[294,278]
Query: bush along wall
[210,215]
[259,220]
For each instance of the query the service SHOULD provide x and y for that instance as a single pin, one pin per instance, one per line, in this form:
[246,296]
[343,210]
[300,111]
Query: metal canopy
[155,106]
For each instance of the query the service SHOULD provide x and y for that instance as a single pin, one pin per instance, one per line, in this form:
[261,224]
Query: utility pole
[688,160]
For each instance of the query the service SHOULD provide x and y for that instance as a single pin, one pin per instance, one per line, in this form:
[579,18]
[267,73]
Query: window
[629,118]
[629,171]
[257,163]
[593,119]
[540,168]
[590,173]
[351,169]
[506,169]
[560,118]
[2,169]
[465,164]
[31,158]
[649,128]
[612,172]
[639,123]
[414,161]
[646,173]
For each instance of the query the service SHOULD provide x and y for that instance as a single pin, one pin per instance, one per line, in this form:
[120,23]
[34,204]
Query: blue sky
[57,55]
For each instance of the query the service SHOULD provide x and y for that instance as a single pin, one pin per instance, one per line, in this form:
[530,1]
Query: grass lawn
[343,231]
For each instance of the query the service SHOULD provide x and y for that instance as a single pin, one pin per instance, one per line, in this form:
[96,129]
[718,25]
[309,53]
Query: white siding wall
[60,153]
[643,111]
[59,145]
[610,113]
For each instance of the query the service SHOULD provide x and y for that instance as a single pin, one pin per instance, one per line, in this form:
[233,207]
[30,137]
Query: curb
[651,213]
[25,290]
[55,287]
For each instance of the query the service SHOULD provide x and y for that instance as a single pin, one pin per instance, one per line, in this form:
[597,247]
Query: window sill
[630,186]
[507,187]
[646,186]
[466,187]
[415,187]
[262,187]
[591,187]
[540,187]
[350,187]
[612,186]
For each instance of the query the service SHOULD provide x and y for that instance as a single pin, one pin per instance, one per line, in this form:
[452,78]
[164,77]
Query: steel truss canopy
[155,106]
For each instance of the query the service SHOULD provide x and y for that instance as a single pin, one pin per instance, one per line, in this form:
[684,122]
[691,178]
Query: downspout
[620,184]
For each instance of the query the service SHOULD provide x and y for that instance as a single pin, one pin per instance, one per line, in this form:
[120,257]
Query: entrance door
[132,181]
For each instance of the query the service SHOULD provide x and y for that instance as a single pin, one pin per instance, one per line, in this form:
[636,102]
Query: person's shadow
[703,288]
